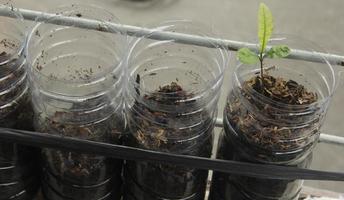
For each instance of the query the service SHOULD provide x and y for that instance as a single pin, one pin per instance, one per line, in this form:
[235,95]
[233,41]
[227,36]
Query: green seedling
[265,29]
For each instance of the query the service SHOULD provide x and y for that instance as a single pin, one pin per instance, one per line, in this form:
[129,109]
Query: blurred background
[317,20]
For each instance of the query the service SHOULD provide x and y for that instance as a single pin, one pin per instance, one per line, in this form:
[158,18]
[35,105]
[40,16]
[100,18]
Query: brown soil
[155,129]
[171,94]
[278,89]
[260,132]
[156,137]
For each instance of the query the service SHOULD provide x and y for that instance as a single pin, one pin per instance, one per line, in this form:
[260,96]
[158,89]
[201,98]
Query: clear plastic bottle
[171,104]
[77,80]
[18,163]
[260,129]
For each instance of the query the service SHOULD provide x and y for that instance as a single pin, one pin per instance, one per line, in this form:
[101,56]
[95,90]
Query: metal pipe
[324,138]
[158,34]
[331,139]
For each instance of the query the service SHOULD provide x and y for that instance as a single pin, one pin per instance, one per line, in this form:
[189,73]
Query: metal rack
[129,153]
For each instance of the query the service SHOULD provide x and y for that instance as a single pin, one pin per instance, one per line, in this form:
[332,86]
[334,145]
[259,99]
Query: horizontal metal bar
[130,153]
[159,35]
[331,139]
[324,138]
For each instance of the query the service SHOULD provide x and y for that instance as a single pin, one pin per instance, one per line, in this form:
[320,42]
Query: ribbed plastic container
[77,82]
[171,103]
[259,129]
[18,163]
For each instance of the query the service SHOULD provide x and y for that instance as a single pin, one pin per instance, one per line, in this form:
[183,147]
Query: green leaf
[247,56]
[280,51]
[265,26]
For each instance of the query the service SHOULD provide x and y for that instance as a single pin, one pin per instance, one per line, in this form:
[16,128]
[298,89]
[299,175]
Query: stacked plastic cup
[77,79]
[18,163]
[171,103]
[260,129]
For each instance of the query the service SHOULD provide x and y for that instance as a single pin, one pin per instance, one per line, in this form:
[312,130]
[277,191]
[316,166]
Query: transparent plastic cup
[77,82]
[259,129]
[18,163]
[171,101]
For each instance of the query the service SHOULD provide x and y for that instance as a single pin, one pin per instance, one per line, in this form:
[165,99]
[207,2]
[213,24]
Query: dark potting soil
[15,173]
[133,191]
[227,190]
[251,138]
[164,181]
[74,174]
[19,118]
[262,137]
[16,188]
[277,89]
[50,194]
[27,194]
[19,115]
[69,191]
[247,188]
[153,130]
[222,190]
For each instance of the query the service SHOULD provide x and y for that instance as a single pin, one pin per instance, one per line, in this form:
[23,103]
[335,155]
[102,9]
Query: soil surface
[266,125]
[278,89]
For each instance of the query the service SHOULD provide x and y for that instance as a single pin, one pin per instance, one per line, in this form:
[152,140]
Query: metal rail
[158,34]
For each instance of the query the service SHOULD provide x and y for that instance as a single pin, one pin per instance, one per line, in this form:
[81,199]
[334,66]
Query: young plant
[265,29]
